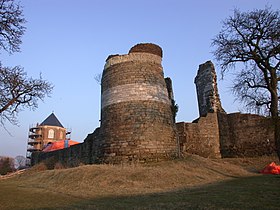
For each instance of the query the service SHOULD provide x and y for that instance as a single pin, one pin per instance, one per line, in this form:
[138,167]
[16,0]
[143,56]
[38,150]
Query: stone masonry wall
[136,118]
[227,135]
[207,91]
[137,121]
[201,137]
[245,135]
[129,139]
[87,152]
[169,87]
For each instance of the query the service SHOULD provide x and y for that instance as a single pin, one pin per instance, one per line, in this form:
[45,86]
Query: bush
[6,165]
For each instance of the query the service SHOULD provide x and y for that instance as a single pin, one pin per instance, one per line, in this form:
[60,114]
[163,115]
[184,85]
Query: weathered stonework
[150,48]
[201,137]
[245,135]
[207,90]
[217,134]
[88,152]
[136,117]
[136,56]
[168,83]
[227,135]
[134,92]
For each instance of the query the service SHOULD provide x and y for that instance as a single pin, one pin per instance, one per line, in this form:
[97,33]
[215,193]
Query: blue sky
[68,42]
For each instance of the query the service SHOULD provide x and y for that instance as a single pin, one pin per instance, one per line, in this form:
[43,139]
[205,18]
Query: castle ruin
[136,115]
[207,91]
[217,134]
[138,119]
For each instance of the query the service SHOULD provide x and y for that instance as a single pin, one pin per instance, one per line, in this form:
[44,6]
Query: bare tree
[253,39]
[11,25]
[20,162]
[17,91]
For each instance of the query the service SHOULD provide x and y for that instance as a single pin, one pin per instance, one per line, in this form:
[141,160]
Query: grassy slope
[194,182]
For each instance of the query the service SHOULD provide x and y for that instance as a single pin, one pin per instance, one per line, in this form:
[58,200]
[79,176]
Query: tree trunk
[277,135]
[275,117]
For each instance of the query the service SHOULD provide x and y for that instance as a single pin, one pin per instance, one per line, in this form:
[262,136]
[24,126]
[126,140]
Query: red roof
[59,145]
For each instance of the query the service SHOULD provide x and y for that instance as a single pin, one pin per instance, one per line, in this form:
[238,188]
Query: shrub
[6,165]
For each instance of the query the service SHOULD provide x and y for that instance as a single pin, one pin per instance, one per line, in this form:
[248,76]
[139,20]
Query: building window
[61,135]
[51,134]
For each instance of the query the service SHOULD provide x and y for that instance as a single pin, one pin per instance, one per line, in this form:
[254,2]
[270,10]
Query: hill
[192,182]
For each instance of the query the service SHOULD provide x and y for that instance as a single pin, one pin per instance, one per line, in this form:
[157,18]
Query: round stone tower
[136,115]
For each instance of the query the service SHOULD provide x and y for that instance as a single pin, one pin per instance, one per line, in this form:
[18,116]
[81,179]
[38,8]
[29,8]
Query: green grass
[169,185]
[257,192]
[261,192]
[14,196]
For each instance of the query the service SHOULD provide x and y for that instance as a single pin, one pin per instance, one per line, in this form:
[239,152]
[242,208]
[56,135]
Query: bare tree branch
[253,39]
[17,91]
[11,25]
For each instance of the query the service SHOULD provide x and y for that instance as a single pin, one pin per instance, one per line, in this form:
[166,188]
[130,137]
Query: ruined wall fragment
[207,90]
[200,138]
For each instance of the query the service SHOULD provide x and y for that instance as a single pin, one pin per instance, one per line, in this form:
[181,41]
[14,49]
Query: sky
[68,41]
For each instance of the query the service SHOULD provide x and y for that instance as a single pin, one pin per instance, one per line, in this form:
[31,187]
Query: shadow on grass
[258,192]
